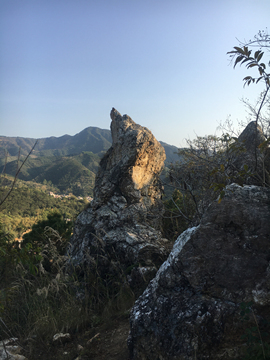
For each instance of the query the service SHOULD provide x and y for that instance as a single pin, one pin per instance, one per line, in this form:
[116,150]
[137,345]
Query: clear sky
[65,63]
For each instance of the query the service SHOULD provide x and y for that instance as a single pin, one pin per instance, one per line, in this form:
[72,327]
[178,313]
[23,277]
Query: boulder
[121,225]
[252,154]
[192,308]
[252,136]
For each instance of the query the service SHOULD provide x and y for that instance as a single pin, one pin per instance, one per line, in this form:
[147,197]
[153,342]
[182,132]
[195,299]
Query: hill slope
[90,139]
[68,162]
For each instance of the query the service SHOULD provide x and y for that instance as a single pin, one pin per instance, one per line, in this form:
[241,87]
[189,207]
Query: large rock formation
[191,309]
[123,220]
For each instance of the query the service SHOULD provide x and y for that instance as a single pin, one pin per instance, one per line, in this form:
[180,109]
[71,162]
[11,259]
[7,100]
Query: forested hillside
[69,163]
[90,139]
[29,203]
[69,174]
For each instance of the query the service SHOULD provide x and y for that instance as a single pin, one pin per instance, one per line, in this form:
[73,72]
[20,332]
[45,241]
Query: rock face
[191,309]
[123,220]
[257,160]
[252,136]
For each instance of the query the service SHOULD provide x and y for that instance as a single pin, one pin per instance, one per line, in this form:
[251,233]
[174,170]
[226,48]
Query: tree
[55,230]
[210,163]
[205,168]
[243,54]
[55,221]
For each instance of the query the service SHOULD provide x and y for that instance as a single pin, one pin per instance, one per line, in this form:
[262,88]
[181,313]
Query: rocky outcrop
[191,309]
[252,136]
[254,155]
[123,220]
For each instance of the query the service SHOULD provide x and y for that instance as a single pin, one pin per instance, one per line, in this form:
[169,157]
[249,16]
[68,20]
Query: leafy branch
[244,55]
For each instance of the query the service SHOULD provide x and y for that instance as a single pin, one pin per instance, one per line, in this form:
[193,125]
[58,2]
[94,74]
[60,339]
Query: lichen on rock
[191,309]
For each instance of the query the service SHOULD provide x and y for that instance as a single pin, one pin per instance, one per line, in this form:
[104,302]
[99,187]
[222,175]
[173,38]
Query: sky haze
[64,64]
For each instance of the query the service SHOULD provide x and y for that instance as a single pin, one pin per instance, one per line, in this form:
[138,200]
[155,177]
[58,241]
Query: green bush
[174,221]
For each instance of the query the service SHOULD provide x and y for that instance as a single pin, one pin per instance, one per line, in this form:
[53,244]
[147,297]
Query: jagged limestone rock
[191,309]
[123,221]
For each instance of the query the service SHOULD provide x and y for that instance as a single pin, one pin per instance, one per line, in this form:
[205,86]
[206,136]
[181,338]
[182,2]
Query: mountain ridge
[69,162]
[89,139]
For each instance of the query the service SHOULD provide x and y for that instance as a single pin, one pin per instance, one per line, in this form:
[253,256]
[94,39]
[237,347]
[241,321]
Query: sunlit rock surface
[122,222]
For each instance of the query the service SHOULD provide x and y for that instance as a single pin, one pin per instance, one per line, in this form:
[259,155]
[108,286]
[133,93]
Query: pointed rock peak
[114,114]
[126,212]
[252,136]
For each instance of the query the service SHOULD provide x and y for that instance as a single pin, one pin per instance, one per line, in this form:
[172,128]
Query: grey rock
[123,221]
[9,349]
[61,338]
[255,157]
[191,309]
[252,136]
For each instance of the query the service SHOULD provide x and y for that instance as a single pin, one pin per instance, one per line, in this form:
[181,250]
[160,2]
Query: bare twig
[16,175]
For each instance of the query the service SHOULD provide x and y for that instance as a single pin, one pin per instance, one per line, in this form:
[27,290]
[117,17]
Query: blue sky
[64,64]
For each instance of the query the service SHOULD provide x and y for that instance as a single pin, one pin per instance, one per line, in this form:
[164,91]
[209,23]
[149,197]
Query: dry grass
[42,298]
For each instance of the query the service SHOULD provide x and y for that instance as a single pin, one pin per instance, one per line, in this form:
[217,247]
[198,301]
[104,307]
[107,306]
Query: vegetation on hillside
[70,174]
[27,205]
[90,139]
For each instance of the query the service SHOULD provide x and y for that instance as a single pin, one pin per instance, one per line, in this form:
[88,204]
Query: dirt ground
[111,343]
[107,341]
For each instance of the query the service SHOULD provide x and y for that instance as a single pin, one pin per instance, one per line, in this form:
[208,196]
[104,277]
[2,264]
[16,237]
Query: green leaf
[246,52]
[238,59]
[257,53]
[221,196]
[252,65]
[239,50]
[260,56]
[245,60]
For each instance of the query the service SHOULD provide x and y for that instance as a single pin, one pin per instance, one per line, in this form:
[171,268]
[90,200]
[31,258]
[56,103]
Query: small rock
[61,338]
[10,351]
[79,347]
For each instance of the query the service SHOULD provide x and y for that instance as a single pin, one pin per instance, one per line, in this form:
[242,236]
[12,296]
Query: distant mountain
[68,162]
[171,153]
[90,139]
